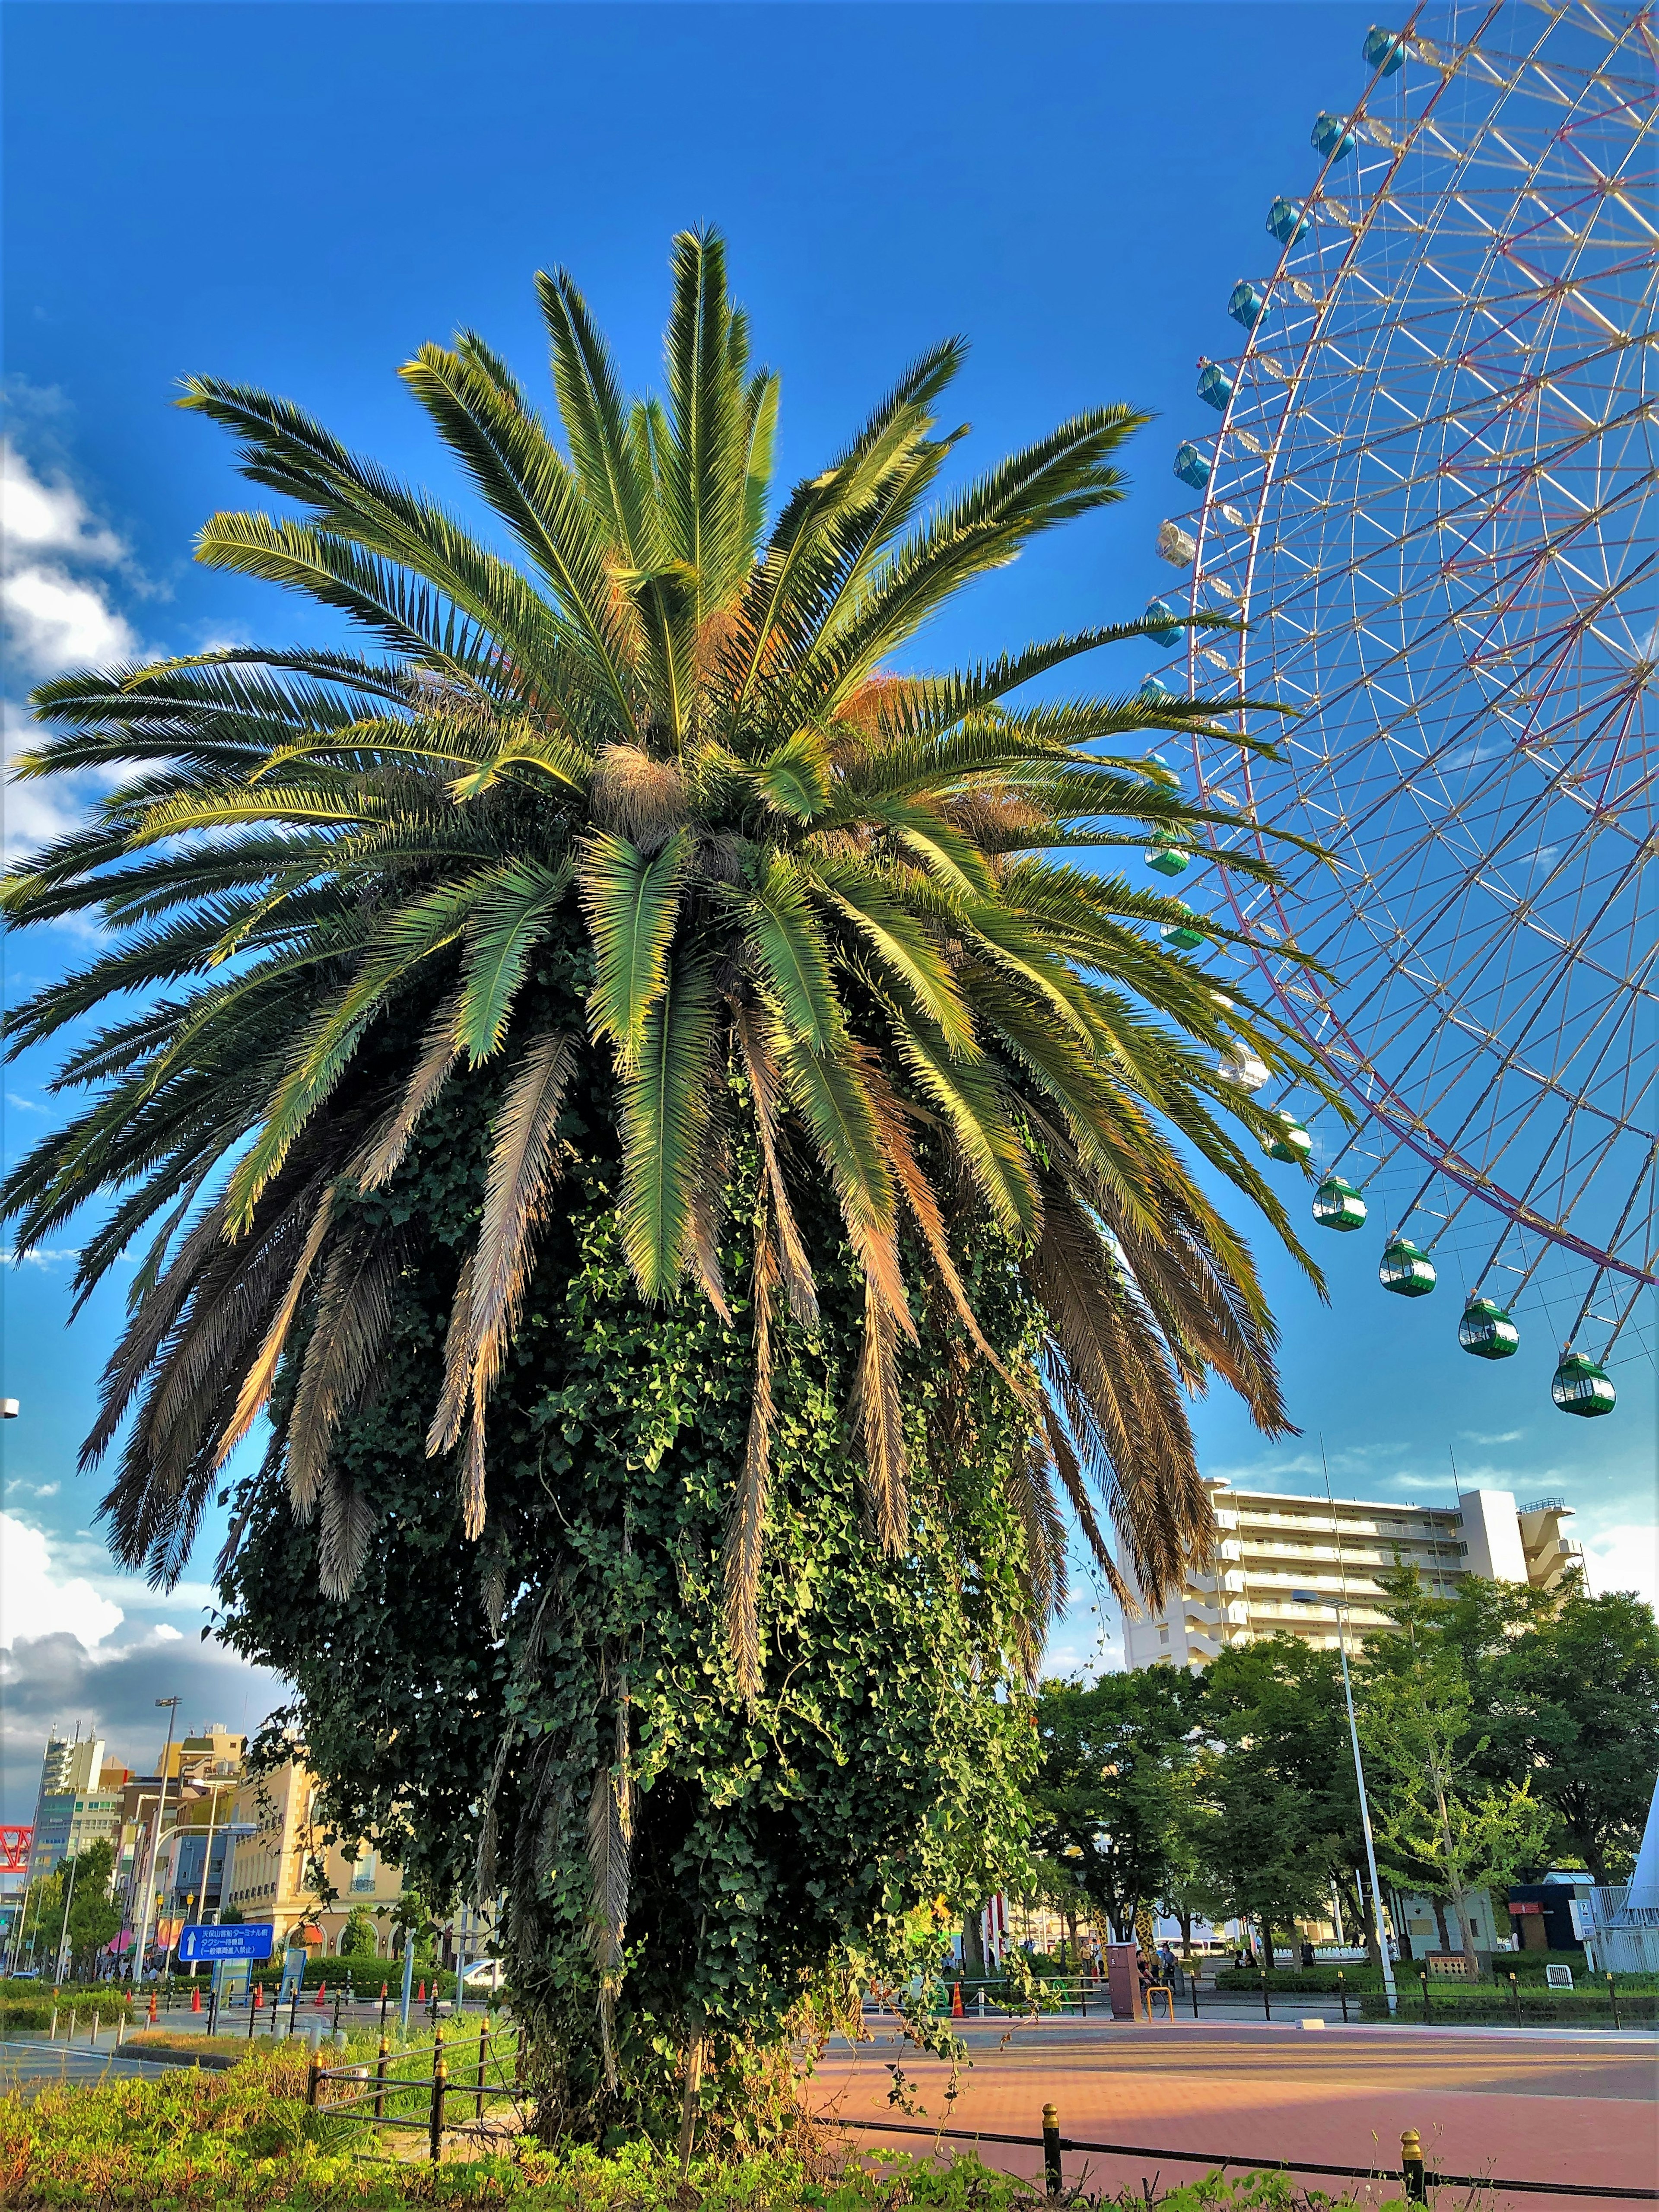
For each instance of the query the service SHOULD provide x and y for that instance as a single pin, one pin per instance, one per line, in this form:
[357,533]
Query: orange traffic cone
[195,1997]
[322,1993]
[956,2001]
[258,1995]
[152,2008]
[420,1995]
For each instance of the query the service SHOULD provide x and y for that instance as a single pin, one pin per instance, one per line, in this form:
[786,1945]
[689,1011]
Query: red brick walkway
[1522,2106]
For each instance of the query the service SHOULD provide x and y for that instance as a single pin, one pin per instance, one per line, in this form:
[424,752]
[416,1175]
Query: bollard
[313,2074]
[439,2079]
[337,2012]
[384,2001]
[379,2078]
[1192,1978]
[213,2008]
[254,2003]
[1411,2167]
[1424,1972]
[1267,2001]
[1613,1999]
[52,2033]
[1051,2173]
[1515,1999]
[483,2061]
[1342,1992]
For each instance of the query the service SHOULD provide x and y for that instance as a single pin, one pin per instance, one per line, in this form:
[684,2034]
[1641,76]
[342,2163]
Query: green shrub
[1304,1980]
[244,2141]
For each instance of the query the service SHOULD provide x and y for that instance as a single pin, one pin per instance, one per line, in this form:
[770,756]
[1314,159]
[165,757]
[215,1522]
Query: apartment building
[192,1781]
[78,1803]
[284,1870]
[1284,1565]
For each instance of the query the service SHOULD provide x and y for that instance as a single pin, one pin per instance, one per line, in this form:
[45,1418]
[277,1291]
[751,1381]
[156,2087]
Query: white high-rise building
[1282,1566]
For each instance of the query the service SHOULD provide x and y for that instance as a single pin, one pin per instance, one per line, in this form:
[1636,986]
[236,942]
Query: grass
[244,2140]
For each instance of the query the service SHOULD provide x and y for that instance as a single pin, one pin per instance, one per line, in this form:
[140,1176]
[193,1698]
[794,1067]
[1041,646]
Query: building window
[362,1872]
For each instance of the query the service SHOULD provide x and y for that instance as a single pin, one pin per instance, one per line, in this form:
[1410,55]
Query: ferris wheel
[1429,496]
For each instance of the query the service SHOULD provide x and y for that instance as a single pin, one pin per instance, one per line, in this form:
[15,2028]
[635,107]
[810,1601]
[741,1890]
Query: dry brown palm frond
[354,1313]
[348,1522]
[707,1210]
[610,1848]
[740,1556]
[765,1089]
[639,795]
[256,1383]
[473,1501]
[382,1156]
[892,1125]
[1070,1471]
[458,1368]
[878,1416]
[1029,1489]
[147,1328]
[524,1163]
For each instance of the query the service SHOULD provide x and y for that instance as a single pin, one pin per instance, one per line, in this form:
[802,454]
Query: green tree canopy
[1109,1801]
[1566,1689]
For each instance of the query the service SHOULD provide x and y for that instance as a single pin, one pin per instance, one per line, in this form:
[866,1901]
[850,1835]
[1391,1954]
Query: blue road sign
[245,1939]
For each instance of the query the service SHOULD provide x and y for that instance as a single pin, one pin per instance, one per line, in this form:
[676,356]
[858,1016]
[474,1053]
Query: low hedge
[1489,2003]
[1306,1981]
[31,2011]
[362,1976]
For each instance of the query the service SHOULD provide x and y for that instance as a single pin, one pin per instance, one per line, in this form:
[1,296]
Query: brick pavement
[1522,2105]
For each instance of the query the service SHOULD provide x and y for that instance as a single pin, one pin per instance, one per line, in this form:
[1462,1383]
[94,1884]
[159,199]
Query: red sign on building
[15,1844]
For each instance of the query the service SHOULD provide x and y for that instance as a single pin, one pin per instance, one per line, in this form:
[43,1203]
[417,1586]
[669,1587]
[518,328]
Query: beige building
[79,1802]
[283,1871]
[1283,1565]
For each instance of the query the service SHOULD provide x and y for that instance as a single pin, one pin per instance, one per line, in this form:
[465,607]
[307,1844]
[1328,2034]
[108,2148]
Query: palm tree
[822,911]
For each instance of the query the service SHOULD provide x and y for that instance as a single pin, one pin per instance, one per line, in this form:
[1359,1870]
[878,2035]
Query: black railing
[367,2096]
[1414,2174]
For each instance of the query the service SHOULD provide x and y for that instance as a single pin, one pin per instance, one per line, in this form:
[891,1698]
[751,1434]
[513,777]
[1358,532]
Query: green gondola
[1405,1271]
[1581,1385]
[1291,1142]
[1338,1204]
[1167,854]
[1184,936]
[1487,1331]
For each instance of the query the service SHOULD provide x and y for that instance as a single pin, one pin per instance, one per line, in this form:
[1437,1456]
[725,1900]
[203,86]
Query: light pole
[171,1705]
[1353,1738]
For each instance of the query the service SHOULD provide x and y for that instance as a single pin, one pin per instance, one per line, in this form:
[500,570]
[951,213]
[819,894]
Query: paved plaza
[1513,2105]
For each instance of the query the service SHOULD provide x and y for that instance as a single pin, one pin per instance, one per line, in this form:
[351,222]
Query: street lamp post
[171,1706]
[1365,1812]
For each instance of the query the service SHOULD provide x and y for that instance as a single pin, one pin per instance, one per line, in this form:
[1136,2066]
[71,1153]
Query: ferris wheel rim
[1326,1023]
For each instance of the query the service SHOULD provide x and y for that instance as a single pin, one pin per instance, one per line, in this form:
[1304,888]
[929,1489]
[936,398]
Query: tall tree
[1566,1689]
[624,927]
[1441,1827]
[1111,1797]
[1278,1782]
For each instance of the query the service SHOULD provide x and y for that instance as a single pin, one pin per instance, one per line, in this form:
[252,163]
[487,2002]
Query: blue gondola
[1246,304]
[1153,690]
[1581,1385]
[1214,385]
[1384,50]
[1159,610]
[1191,466]
[1161,771]
[1487,1331]
[1333,137]
[1288,221]
[1405,1271]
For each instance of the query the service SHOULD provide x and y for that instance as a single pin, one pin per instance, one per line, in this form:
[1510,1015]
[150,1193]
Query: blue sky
[298,195]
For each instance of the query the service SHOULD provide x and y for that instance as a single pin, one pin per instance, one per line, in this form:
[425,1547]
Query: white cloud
[55,616]
[1624,1558]
[37,1599]
[57,621]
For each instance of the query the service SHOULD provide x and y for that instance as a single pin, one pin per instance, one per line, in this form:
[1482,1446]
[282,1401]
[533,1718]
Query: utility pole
[408,1970]
[1353,1738]
[171,1705]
